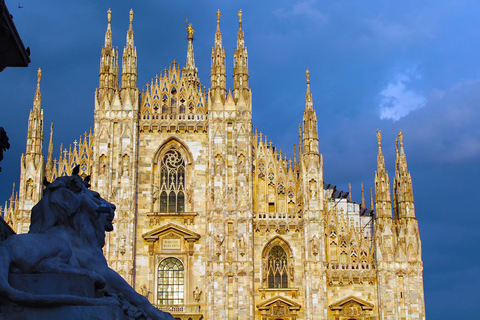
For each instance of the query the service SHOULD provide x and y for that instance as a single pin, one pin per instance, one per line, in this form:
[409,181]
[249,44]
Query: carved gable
[279,308]
[352,308]
[172,237]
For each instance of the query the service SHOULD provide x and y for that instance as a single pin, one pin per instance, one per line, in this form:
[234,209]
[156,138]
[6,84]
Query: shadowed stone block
[14,312]
[72,284]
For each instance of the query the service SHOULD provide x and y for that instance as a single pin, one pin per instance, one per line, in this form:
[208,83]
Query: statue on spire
[379,138]
[190,31]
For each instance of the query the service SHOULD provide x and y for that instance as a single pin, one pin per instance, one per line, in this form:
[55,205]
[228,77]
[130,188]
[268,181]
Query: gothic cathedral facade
[212,220]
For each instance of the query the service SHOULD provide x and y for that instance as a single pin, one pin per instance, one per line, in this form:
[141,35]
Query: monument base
[14,312]
[52,284]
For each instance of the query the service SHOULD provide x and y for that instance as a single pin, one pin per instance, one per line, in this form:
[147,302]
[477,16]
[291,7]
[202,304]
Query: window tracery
[172,182]
[277,272]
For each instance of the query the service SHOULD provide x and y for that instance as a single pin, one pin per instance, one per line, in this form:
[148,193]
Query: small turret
[403,191]
[191,72]
[35,123]
[310,132]
[382,185]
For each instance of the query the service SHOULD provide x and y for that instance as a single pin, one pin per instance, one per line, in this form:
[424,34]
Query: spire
[218,33]
[218,69]
[382,185]
[240,68]
[363,198]
[403,191]
[108,33]
[191,71]
[37,101]
[350,192]
[50,155]
[129,64]
[308,94]
[108,66]
[35,122]
[310,132]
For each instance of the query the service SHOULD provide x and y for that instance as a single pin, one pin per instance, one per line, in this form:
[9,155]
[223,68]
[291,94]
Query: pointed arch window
[277,273]
[172,181]
[170,282]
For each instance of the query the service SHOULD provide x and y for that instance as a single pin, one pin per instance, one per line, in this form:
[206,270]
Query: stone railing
[277,221]
[179,308]
[277,215]
[174,117]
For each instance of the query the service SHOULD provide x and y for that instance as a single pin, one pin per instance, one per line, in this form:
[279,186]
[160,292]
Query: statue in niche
[218,165]
[241,245]
[196,294]
[123,244]
[230,198]
[217,195]
[219,238]
[315,244]
[103,165]
[313,192]
[125,166]
[189,196]
[29,190]
[67,234]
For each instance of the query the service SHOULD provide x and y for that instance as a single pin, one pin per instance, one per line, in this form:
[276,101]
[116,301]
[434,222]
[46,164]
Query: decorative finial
[240,16]
[109,16]
[131,16]
[350,192]
[308,76]
[400,138]
[379,138]
[218,16]
[39,76]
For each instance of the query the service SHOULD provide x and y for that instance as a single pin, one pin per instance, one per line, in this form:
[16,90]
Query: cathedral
[212,220]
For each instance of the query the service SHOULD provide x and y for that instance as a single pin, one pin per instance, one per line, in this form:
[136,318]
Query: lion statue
[67,234]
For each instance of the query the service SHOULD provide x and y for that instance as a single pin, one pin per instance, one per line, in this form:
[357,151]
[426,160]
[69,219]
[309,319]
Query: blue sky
[388,65]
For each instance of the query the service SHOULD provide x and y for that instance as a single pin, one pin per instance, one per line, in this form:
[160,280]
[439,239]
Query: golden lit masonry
[213,221]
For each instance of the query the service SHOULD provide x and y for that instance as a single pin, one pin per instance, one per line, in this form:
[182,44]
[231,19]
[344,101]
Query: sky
[374,65]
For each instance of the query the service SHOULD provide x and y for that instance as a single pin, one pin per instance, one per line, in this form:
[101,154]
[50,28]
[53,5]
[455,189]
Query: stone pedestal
[51,284]
[13,312]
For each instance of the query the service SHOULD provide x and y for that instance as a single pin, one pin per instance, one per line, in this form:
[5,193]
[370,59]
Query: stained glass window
[277,268]
[172,182]
[170,282]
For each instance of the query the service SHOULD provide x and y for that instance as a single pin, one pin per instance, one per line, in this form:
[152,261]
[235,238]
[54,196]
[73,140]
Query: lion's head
[68,204]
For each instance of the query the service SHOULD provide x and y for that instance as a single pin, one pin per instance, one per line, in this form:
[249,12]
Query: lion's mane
[68,204]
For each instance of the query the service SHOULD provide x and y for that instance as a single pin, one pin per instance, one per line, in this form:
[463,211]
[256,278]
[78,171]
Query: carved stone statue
[144,290]
[196,294]
[315,244]
[66,236]
[218,244]
[241,245]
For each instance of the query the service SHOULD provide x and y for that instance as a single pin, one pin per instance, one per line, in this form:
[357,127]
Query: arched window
[277,268]
[172,181]
[170,282]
